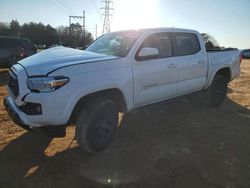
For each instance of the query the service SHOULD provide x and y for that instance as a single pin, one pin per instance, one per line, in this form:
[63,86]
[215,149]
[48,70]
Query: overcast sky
[227,20]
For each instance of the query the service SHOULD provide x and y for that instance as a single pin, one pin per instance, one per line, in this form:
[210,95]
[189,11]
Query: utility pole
[79,18]
[96,31]
[83,25]
[107,13]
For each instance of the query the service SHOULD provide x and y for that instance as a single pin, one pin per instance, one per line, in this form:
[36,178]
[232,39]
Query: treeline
[212,45]
[46,36]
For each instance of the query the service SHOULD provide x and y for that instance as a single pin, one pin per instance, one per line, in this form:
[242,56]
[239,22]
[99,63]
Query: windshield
[116,44]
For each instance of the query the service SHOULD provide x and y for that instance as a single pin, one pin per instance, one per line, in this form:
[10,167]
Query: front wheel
[217,91]
[96,125]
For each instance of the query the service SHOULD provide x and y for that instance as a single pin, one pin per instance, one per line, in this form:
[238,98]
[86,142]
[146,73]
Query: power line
[96,8]
[59,7]
[65,7]
[78,4]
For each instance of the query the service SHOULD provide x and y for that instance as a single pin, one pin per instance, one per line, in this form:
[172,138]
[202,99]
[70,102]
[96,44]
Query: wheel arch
[226,71]
[114,94]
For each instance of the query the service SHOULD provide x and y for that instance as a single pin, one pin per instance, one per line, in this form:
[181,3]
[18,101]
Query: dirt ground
[177,144]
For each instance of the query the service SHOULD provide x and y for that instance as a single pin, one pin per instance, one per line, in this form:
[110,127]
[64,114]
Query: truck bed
[220,58]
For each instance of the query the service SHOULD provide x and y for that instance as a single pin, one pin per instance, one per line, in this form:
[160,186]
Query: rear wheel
[96,125]
[217,91]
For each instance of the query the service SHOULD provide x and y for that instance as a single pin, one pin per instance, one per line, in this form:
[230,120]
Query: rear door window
[185,44]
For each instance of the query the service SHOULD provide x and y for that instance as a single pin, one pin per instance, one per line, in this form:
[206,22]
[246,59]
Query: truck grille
[13,83]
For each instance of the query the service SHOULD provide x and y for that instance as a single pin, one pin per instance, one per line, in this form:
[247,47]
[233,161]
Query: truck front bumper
[14,113]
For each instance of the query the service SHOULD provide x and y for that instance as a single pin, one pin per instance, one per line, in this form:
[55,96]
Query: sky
[228,21]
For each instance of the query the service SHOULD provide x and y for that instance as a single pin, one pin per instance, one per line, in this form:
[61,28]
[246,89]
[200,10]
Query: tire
[217,91]
[96,125]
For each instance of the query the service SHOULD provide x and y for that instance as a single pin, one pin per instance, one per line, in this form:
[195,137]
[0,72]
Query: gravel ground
[177,144]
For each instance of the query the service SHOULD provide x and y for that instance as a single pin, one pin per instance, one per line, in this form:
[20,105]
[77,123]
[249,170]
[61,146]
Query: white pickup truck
[118,72]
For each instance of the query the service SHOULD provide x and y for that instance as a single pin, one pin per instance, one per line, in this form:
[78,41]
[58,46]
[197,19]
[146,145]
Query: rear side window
[7,43]
[186,44]
[1,43]
[160,41]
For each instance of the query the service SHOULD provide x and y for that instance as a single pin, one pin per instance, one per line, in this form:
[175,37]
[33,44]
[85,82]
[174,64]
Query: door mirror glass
[148,53]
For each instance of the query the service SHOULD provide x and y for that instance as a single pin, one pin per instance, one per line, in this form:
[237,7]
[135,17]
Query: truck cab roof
[160,29]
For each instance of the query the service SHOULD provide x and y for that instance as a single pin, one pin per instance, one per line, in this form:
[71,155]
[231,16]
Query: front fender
[88,89]
[89,78]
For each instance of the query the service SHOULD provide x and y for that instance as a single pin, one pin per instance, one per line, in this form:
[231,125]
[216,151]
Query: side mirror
[148,53]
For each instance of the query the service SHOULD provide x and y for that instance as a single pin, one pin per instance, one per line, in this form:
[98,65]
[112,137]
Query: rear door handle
[172,65]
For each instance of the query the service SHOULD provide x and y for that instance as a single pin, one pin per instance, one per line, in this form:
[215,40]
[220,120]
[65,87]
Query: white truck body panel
[49,60]
[140,82]
[219,60]
[154,81]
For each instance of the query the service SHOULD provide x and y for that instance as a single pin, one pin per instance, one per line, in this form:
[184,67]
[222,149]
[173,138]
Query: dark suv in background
[13,49]
[245,53]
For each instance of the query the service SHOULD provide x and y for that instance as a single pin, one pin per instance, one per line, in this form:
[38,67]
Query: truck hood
[48,60]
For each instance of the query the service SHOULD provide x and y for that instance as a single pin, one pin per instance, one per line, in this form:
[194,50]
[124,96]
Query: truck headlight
[46,84]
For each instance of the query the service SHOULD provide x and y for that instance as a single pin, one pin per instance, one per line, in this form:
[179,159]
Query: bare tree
[210,42]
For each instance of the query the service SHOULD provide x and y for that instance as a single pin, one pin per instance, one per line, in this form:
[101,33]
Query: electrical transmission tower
[107,14]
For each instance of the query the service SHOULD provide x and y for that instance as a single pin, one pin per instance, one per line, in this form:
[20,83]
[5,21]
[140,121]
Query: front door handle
[172,65]
[201,61]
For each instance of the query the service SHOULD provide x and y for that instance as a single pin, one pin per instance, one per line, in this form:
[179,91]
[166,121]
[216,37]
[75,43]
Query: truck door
[192,62]
[155,75]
